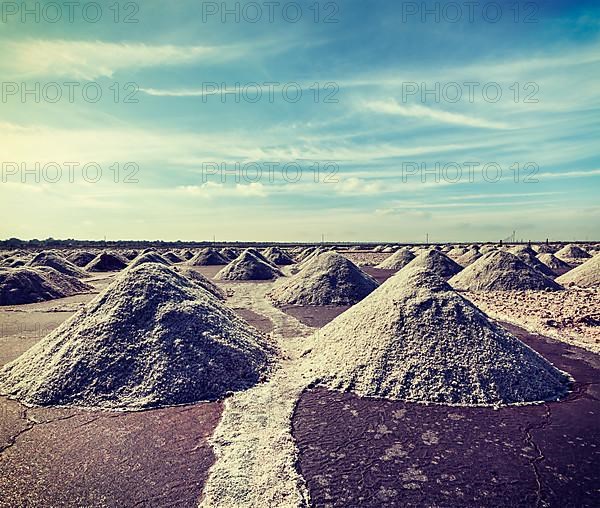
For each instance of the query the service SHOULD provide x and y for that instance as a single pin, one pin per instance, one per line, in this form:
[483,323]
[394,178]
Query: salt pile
[552,262]
[153,338]
[148,257]
[129,254]
[186,254]
[229,253]
[501,271]
[456,252]
[572,252]
[278,257]
[248,266]
[172,257]
[545,248]
[468,257]
[204,282]
[31,285]
[586,275]
[207,257]
[436,262]
[522,249]
[329,279]
[535,263]
[416,339]
[107,262]
[81,258]
[57,262]
[397,260]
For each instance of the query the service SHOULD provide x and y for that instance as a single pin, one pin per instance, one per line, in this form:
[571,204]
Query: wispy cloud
[392,107]
[88,60]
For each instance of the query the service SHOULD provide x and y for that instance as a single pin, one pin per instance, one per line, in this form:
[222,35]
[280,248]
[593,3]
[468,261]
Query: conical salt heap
[397,260]
[586,275]
[522,249]
[57,262]
[501,271]
[207,257]
[572,252]
[247,266]
[31,285]
[436,262]
[148,257]
[81,258]
[153,338]
[278,257]
[204,282]
[172,257]
[416,339]
[555,264]
[535,263]
[468,257]
[229,253]
[329,279]
[107,262]
[545,248]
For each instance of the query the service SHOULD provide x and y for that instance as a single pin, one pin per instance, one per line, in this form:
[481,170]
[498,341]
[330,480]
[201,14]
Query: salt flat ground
[350,451]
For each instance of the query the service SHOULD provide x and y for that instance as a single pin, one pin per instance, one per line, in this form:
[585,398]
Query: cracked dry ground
[368,452]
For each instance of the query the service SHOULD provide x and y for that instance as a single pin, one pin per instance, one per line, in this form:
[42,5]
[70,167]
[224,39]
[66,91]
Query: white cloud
[88,60]
[211,190]
[391,107]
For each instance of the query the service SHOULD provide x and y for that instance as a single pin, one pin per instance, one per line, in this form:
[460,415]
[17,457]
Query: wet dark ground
[364,452]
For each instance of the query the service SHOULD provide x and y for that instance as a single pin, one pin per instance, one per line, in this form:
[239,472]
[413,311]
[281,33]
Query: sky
[285,121]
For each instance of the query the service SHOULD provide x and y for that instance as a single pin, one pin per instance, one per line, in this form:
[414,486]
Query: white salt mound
[416,339]
[81,258]
[153,338]
[57,262]
[202,281]
[247,266]
[436,262]
[468,257]
[172,257]
[148,257]
[572,252]
[552,262]
[501,271]
[522,249]
[107,262]
[397,260]
[546,248]
[207,257]
[586,275]
[31,285]
[278,257]
[535,263]
[329,279]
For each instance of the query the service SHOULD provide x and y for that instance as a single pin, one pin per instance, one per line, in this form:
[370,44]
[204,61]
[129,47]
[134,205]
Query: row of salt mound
[501,271]
[329,279]
[586,275]
[249,265]
[153,338]
[416,339]
[31,285]
[397,260]
[57,262]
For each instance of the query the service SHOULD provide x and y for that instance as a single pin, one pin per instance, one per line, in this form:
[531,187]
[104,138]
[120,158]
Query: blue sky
[371,132]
